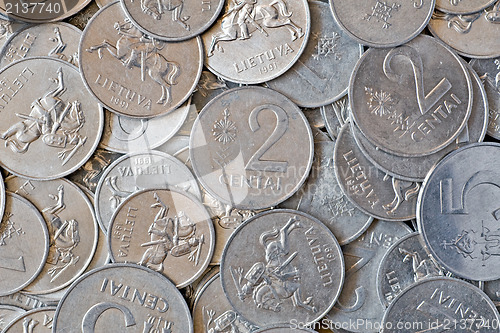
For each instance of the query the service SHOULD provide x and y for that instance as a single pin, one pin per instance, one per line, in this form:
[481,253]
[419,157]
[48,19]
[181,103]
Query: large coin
[132,73]
[34,321]
[251,147]
[255,42]
[409,104]
[458,212]
[122,297]
[282,265]
[47,116]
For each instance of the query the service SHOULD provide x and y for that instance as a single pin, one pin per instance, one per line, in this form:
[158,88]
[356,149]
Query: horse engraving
[53,120]
[156,8]
[270,283]
[403,191]
[135,49]
[227,322]
[422,268]
[58,49]
[258,14]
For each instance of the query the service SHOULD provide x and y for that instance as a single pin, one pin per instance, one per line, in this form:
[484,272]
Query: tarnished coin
[34,321]
[463,7]
[41,11]
[8,314]
[211,310]
[409,104]
[358,304]
[382,23]
[72,226]
[138,171]
[50,124]
[166,230]
[24,244]
[58,40]
[322,197]
[134,74]
[172,20]
[282,265]
[122,297]
[368,188]
[321,75]
[472,35]
[256,41]
[458,212]
[441,304]
[251,148]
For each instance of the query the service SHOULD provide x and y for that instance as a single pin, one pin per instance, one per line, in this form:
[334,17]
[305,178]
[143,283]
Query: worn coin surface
[24,244]
[134,74]
[9,313]
[463,7]
[255,42]
[251,147]
[47,115]
[410,104]
[122,297]
[34,321]
[282,265]
[321,75]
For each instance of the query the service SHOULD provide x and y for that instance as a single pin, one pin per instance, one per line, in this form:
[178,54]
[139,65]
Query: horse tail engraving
[282,8]
[173,73]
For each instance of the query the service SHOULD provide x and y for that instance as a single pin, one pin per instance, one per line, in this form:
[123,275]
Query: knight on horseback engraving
[270,283]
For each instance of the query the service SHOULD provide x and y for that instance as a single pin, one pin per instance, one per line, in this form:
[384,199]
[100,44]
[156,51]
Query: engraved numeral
[93,314]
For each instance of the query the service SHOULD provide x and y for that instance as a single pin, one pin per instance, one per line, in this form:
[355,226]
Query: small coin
[8,314]
[41,12]
[134,74]
[33,321]
[47,115]
[463,7]
[289,261]
[251,148]
[24,244]
[137,298]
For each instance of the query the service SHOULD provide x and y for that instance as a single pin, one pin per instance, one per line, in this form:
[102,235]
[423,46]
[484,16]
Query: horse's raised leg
[104,45]
[176,16]
[216,39]
[303,304]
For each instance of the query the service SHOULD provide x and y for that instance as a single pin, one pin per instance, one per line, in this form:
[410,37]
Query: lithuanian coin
[2,196]
[335,115]
[251,148]
[463,7]
[133,74]
[24,244]
[178,147]
[458,212]
[322,197]
[321,75]
[41,11]
[8,314]
[409,104]
[166,230]
[368,188]
[358,302]
[138,299]
[471,35]
[211,310]
[34,321]
[255,42]
[102,3]
[441,304]
[7,28]
[137,171]
[282,265]
[25,302]
[172,21]
[380,23]
[208,87]
[72,226]
[47,115]
[58,40]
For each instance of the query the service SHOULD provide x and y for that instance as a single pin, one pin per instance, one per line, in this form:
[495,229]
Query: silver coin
[102,3]
[212,311]
[193,290]
[251,148]
[441,304]
[166,230]
[416,168]
[282,265]
[133,74]
[137,171]
[172,20]
[9,313]
[122,297]
[368,188]
[72,226]
[178,147]
[7,28]
[23,301]
[41,12]
[335,116]
[24,244]
[313,116]
[58,40]
[457,212]
[33,321]
[358,302]
[471,35]
[322,197]
[2,196]
[382,23]
[410,104]
[47,115]
[492,289]
[321,75]
[125,135]
[463,7]
[208,87]
[319,135]
[255,42]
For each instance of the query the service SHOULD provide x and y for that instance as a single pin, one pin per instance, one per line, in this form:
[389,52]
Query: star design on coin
[382,13]
[379,102]
[224,129]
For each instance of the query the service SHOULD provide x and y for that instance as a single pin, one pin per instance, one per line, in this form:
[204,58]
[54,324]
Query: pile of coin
[246,166]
